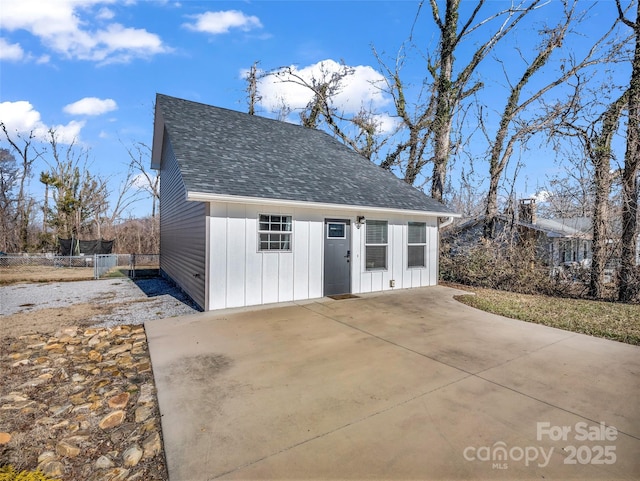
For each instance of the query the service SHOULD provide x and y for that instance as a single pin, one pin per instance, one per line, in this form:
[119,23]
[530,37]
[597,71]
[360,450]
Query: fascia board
[237,199]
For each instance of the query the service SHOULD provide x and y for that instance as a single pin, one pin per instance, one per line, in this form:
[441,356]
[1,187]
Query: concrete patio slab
[401,385]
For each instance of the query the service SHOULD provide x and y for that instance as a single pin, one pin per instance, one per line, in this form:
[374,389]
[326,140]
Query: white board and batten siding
[183,233]
[241,275]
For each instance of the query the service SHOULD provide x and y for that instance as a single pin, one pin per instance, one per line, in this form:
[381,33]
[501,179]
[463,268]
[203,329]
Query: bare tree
[139,156]
[628,289]
[137,235]
[452,88]
[359,131]
[595,137]
[416,119]
[518,121]
[9,177]
[253,96]
[599,144]
[79,198]
[23,148]
[569,193]
[467,198]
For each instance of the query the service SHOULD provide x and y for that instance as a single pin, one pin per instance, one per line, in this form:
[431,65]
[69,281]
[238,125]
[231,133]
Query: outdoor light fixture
[359,221]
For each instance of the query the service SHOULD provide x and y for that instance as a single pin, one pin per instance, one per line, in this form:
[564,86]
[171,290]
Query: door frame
[348,222]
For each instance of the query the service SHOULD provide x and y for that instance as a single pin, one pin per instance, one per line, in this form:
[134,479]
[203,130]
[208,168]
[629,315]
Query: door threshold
[339,297]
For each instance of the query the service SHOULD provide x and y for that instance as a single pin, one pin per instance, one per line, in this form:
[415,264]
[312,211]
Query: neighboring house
[561,241]
[256,211]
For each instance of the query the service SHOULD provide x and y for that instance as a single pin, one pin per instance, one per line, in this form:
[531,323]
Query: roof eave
[237,199]
[158,138]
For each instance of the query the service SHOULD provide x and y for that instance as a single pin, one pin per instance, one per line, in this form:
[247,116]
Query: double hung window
[417,244]
[376,242]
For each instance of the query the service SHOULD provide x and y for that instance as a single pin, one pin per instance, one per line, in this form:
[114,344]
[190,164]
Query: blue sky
[91,68]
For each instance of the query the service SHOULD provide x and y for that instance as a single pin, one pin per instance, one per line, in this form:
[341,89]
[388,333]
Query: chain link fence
[53,267]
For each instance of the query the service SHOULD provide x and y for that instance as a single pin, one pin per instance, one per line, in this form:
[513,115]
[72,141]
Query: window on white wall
[376,242]
[417,244]
[274,232]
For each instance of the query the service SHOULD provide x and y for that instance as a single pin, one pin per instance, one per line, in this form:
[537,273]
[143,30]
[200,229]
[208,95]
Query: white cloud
[62,26]
[91,106]
[21,118]
[386,123]
[105,14]
[542,196]
[10,51]
[357,91]
[141,182]
[222,22]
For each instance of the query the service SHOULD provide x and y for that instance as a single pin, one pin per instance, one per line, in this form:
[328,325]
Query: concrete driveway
[403,385]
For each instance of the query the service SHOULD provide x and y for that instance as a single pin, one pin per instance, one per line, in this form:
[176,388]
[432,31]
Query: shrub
[7,473]
[509,266]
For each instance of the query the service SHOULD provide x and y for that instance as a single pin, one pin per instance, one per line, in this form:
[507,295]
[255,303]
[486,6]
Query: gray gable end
[228,153]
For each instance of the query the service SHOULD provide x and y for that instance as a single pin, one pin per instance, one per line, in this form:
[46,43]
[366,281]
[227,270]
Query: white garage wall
[240,275]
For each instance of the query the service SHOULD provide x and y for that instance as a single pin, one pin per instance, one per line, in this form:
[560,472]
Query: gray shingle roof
[578,227]
[225,152]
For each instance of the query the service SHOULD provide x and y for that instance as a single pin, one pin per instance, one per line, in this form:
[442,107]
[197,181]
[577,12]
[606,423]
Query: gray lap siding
[183,231]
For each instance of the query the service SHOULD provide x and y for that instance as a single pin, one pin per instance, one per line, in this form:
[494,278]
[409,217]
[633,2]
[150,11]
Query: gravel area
[133,301]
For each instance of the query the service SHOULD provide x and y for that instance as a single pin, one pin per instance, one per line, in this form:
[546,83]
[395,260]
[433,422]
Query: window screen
[417,244]
[376,244]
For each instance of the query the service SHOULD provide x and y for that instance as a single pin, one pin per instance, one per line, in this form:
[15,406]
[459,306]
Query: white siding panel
[253,268]
[356,259]
[397,250]
[285,277]
[417,276]
[236,253]
[301,260]
[366,277]
[316,259]
[218,257]
[183,247]
[270,281]
[432,256]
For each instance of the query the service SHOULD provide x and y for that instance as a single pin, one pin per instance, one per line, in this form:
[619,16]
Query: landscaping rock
[58,389]
[67,450]
[111,420]
[119,401]
[103,462]
[132,456]
[53,469]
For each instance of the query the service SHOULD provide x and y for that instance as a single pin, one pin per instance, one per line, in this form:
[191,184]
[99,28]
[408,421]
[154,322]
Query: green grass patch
[620,322]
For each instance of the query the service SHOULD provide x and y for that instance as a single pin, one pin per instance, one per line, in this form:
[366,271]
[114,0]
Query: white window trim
[413,244]
[386,252]
[259,231]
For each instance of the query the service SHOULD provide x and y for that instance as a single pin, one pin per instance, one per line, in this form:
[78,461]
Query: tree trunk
[602,183]
[491,209]
[628,288]
[444,115]
[601,159]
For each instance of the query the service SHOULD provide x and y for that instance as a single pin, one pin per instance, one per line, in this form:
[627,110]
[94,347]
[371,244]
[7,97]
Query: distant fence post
[132,267]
